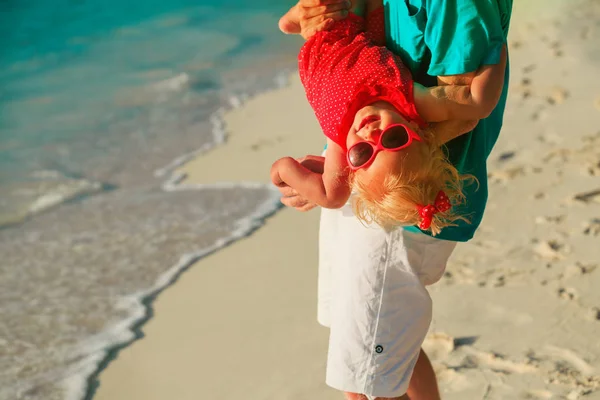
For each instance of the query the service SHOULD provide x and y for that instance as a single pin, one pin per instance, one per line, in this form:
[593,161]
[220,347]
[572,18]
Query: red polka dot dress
[347,68]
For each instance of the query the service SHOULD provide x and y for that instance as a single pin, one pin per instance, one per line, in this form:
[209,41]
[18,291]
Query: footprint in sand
[524,88]
[578,269]
[555,48]
[459,274]
[453,357]
[487,244]
[592,228]
[507,155]
[593,168]
[595,314]
[566,368]
[529,68]
[585,33]
[588,197]
[551,250]
[266,143]
[567,293]
[538,394]
[550,219]
[495,362]
[537,115]
[506,175]
[558,95]
[515,44]
[438,345]
[574,360]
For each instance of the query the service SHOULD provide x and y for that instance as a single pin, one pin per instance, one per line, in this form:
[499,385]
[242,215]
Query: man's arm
[329,189]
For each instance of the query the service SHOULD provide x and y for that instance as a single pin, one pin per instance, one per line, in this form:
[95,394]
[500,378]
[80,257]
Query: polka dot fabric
[375,27]
[347,68]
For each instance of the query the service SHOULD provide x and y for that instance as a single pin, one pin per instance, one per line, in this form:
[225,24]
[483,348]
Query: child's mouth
[368,120]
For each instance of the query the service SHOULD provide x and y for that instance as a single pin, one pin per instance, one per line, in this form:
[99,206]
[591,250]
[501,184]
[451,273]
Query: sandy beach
[517,314]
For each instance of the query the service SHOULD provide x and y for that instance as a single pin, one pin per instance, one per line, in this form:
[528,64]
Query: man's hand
[311,16]
[290,197]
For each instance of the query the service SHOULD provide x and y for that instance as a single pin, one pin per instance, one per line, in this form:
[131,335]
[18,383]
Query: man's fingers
[294,202]
[287,191]
[298,204]
[306,207]
[290,22]
[308,32]
[337,9]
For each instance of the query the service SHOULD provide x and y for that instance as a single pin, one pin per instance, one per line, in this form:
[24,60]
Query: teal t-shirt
[452,37]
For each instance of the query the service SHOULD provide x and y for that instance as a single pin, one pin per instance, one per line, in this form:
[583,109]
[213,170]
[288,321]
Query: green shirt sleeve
[462,35]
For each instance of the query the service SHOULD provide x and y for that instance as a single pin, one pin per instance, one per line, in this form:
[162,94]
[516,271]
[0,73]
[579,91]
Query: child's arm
[328,190]
[447,130]
[470,96]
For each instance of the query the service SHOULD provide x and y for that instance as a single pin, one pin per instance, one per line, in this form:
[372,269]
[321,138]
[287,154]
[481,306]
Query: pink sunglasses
[393,138]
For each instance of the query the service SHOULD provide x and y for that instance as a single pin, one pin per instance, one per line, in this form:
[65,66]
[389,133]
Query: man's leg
[423,384]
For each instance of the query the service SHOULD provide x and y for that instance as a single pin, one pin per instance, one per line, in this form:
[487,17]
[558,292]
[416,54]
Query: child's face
[368,124]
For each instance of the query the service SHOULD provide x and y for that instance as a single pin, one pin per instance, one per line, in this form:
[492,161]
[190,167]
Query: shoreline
[259,149]
[178,176]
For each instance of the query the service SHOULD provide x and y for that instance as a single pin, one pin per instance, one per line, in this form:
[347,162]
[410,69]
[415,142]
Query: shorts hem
[350,388]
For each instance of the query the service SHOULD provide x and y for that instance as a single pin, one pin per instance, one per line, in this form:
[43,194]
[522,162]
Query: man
[442,42]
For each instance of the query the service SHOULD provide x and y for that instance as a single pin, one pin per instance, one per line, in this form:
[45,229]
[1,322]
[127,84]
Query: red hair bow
[441,204]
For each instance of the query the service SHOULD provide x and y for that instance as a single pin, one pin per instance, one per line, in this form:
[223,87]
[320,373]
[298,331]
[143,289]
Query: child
[378,144]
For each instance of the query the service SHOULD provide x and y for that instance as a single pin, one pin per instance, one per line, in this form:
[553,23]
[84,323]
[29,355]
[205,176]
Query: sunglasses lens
[360,154]
[395,137]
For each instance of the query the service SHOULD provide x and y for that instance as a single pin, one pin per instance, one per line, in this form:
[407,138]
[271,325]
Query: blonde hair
[397,200]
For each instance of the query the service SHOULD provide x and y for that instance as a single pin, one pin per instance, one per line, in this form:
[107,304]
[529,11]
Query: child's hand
[313,163]
[289,196]
[327,187]
[276,170]
[311,16]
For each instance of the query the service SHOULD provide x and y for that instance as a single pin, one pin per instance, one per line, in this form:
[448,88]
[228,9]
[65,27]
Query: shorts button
[379,349]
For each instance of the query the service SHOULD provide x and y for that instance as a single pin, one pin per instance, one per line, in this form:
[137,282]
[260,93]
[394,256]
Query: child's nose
[373,135]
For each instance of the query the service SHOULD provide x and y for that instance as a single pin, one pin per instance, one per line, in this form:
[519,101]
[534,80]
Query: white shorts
[372,296]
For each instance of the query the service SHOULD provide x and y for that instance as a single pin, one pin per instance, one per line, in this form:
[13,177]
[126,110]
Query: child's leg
[373,5]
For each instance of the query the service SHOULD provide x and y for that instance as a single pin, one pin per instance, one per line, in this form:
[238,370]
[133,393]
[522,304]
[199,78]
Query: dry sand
[517,315]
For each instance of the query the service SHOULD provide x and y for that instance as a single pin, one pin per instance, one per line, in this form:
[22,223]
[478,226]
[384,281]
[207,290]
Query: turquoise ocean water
[99,100]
